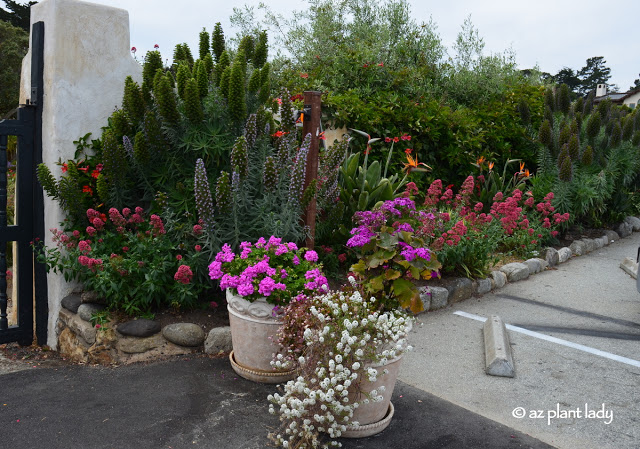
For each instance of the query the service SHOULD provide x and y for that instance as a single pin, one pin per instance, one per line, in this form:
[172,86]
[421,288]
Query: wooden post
[311,125]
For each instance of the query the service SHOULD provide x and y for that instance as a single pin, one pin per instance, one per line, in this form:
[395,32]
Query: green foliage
[192,104]
[616,135]
[240,158]
[247,46]
[203,44]
[14,43]
[133,101]
[217,42]
[549,100]
[587,156]
[223,63]
[573,148]
[182,76]
[166,101]
[225,80]
[564,166]
[593,126]
[545,135]
[563,99]
[237,88]
[152,63]
[182,53]
[17,14]
[207,62]
[202,78]
[261,50]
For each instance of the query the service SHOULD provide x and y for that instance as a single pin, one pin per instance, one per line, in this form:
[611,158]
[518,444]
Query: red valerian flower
[156,46]
[134,50]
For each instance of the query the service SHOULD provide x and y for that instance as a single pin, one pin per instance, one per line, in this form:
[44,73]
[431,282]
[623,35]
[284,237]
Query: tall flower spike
[286,113]
[223,192]
[240,158]
[202,191]
[128,147]
[270,174]
[298,171]
[251,130]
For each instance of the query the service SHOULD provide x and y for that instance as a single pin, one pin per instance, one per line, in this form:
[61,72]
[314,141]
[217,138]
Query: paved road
[201,403]
[589,301]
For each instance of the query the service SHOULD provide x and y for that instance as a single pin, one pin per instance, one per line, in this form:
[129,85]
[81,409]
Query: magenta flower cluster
[270,268]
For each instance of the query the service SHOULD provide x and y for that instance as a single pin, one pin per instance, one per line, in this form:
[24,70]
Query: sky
[552,34]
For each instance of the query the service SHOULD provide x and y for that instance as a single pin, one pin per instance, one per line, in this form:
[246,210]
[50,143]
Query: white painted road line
[559,341]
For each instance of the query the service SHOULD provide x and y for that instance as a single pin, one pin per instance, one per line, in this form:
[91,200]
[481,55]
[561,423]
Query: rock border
[81,342]
[434,297]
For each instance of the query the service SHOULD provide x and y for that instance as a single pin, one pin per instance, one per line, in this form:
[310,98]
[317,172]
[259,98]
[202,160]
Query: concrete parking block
[499,360]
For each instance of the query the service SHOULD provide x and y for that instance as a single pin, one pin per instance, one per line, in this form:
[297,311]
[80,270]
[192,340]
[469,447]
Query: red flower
[408,151]
[156,46]
[387,139]
[134,50]
[396,139]
[198,248]
[304,75]
[179,257]
[87,189]
[381,64]
[99,167]
[65,167]
[84,169]
[322,136]
[278,134]
[95,174]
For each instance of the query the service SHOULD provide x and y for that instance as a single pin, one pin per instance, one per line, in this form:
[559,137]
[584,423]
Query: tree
[18,14]
[636,84]
[593,73]
[14,43]
[567,76]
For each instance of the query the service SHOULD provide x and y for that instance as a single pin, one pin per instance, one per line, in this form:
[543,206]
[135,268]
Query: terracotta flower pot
[253,335]
[374,417]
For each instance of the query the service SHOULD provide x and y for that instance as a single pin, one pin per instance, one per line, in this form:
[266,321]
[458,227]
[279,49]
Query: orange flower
[521,167]
[490,166]
[413,165]
[480,160]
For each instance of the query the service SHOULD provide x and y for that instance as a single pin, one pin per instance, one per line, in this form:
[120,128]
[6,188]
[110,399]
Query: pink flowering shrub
[276,270]
[128,258]
[464,237]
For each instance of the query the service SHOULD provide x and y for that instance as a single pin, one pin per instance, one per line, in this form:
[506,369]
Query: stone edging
[132,341]
[460,289]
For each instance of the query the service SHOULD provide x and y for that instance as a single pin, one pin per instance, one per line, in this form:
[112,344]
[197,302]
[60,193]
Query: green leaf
[376,284]
[392,274]
[358,267]
[407,295]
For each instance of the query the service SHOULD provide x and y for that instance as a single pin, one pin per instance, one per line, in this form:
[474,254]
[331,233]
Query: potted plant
[259,283]
[348,349]
[349,343]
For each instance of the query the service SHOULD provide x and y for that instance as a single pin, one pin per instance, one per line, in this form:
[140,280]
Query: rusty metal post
[311,125]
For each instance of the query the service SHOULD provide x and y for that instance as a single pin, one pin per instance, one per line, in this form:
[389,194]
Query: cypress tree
[237,96]
[203,44]
[260,53]
[133,101]
[192,103]
[217,42]
[182,76]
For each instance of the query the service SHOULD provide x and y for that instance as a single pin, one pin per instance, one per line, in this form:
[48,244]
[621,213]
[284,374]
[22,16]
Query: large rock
[425,297]
[71,346]
[533,265]
[499,279]
[71,302]
[219,340]
[590,245]
[551,256]
[87,309]
[612,236]
[93,298]
[578,248]
[460,289]
[515,271]
[484,286]
[139,328]
[184,334]
[564,254]
[439,298]
[135,345]
[78,326]
[634,222]
[624,230]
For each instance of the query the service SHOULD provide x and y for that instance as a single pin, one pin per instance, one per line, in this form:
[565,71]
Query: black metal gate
[30,276]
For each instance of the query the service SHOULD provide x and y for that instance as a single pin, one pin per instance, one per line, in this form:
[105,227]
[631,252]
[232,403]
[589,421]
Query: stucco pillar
[86,60]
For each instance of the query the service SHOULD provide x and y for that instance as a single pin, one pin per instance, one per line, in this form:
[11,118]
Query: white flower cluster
[352,339]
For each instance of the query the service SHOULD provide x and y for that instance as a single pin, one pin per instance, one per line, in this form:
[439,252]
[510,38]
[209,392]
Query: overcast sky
[550,33]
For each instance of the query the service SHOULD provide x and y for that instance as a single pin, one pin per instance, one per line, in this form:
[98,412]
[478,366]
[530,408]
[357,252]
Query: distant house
[631,98]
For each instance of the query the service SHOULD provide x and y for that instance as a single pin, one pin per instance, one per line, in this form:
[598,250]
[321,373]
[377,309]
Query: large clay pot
[374,417]
[253,335]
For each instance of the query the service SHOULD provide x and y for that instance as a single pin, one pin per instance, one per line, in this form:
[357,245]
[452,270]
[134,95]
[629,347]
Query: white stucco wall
[86,60]
[633,99]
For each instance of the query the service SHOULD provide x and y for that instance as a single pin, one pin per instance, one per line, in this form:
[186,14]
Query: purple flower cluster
[361,236]
[316,279]
[410,253]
